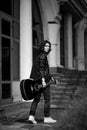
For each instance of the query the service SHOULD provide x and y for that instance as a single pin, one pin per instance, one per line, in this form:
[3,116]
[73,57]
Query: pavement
[18,120]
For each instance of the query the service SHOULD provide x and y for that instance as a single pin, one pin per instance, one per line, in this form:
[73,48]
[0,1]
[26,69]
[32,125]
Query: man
[40,72]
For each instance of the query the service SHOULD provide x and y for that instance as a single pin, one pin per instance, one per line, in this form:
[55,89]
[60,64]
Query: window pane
[5,59]
[17,9]
[5,6]
[6,91]
[5,27]
[15,60]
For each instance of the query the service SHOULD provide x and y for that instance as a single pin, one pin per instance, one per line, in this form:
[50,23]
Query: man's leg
[46,93]
[33,109]
[47,118]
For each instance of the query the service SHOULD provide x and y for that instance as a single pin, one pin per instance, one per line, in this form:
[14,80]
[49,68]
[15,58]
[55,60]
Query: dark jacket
[40,67]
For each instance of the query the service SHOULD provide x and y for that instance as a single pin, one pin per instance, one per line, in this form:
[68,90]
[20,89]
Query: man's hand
[43,83]
[53,80]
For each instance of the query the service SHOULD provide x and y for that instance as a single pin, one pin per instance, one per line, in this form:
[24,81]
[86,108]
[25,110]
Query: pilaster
[25,38]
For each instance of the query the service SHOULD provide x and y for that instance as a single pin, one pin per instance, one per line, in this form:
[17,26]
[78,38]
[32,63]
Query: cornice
[80,5]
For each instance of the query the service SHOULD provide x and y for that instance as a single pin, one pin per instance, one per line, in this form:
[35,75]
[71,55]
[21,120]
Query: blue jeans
[46,94]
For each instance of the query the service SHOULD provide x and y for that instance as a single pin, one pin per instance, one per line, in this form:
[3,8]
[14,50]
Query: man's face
[46,47]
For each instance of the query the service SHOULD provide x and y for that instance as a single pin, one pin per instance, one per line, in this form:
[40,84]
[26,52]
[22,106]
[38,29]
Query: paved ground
[17,120]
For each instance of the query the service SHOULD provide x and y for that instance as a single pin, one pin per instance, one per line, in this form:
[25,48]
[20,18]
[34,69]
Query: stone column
[54,38]
[25,38]
[80,58]
[68,40]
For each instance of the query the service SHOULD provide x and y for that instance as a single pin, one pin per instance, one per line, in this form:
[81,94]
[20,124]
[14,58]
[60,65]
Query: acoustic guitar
[30,88]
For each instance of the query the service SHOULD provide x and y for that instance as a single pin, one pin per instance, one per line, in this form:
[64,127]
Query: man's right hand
[43,83]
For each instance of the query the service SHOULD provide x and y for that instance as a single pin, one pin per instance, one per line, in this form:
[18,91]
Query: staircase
[67,81]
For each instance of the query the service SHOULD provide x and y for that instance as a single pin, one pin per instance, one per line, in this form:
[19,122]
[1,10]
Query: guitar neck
[41,86]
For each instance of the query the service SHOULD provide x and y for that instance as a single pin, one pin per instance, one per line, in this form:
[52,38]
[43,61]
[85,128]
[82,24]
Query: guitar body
[29,89]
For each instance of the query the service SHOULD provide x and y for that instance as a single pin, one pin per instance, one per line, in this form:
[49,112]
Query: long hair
[41,48]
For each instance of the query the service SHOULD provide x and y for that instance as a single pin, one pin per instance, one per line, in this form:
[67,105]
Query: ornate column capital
[61,1]
[58,18]
[81,24]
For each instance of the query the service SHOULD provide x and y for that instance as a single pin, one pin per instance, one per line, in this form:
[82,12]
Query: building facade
[24,24]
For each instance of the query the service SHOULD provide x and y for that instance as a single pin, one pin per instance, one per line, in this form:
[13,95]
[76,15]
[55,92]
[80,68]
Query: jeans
[46,94]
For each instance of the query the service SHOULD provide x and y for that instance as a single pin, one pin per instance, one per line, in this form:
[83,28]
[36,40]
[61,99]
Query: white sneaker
[31,118]
[49,120]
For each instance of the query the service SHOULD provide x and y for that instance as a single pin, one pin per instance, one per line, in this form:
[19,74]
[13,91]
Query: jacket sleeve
[42,65]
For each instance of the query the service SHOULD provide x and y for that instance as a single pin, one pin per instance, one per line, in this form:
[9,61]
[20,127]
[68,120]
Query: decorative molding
[57,19]
[86,1]
[77,24]
[80,24]
[61,1]
[52,22]
[80,5]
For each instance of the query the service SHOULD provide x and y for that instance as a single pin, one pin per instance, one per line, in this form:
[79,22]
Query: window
[5,45]
[9,46]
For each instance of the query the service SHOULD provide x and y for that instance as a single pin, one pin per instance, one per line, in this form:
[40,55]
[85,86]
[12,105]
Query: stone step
[60,98]
[69,71]
[66,94]
[59,105]
[67,81]
[62,91]
[56,86]
[72,81]
[63,87]
[70,76]
[55,106]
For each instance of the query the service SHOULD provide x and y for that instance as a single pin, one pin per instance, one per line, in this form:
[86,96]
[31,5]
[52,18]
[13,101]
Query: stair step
[60,97]
[57,106]
[60,100]
[67,81]
[64,95]
[57,88]
[53,92]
